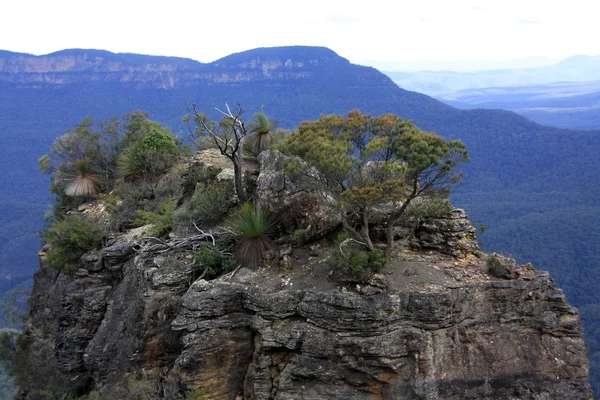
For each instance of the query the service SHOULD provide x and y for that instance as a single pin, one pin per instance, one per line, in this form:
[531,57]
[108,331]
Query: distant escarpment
[441,321]
[76,66]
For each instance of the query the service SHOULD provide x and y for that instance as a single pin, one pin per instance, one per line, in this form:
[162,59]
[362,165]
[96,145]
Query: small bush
[299,237]
[150,157]
[496,268]
[355,260]
[198,175]
[208,204]
[198,394]
[162,220]
[213,263]
[430,207]
[69,238]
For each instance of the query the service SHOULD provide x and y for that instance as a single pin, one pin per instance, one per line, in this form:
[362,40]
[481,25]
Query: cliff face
[72,66]
[432,325]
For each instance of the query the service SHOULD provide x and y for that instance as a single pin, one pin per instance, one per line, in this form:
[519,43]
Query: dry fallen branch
[345,242]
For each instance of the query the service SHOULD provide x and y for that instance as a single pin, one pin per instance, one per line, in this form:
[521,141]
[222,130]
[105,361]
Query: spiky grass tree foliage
[261,126]
[85,183]
[254,228]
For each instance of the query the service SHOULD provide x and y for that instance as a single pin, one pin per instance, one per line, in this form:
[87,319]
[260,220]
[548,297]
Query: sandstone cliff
[96,66]
[432,325]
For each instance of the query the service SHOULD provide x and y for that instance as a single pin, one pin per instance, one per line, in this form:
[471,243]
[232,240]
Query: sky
[389,35]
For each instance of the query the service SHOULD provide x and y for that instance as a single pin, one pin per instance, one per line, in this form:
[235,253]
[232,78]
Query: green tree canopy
[372,163]
[84,160]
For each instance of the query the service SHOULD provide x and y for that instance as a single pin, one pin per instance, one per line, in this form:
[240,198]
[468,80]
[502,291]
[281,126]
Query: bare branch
[345,242]
[233,272]
[209,234]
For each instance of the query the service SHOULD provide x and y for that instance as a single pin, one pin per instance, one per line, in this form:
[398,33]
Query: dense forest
[534,187]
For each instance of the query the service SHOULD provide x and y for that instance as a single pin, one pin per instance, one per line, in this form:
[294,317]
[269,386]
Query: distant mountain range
[565,94]
[562,104]
[574,69]
[535,187]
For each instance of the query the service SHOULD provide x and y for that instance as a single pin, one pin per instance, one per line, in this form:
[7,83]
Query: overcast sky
[380,33]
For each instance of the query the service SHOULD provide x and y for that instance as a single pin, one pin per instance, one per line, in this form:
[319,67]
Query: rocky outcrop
[488,340]
[440,321]
[451,234]
[298,203]
[432,326]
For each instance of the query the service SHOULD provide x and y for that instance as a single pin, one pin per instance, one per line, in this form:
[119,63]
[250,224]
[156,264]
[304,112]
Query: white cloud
[528,20]
[378,30]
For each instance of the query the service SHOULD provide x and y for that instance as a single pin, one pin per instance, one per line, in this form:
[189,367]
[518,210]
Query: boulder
[451,234]
[300,203]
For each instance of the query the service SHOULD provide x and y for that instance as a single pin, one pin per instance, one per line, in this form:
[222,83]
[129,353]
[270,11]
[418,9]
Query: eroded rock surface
[490,340]
[297,203]
[431,326]
[440,321]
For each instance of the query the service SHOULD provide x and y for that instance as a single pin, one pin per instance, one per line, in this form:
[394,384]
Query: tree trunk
[364,230]
[389,230]
[361,235]
[238,179]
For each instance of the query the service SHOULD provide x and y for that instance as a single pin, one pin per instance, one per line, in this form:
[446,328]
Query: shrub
[430,207]
[496,268]
[130,197]
[208,204]
[299,237]
[38,374]
[354,259]
[162,220]
[198,394]
[150,157]
[213,262]
[254,229]
[69,238]
[261,126]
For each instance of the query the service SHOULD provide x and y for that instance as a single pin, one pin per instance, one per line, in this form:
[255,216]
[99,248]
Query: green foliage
[162,220]
[254,228]
[208,204]
[372,162]
[84,183]
[299,237]
[84,161]
[430,207]
[69,238]
[10,355]
[261,138]
[15,306]
[496,268]
[354,259]
[150,157]
[198,394]
[213,262]
[97,147]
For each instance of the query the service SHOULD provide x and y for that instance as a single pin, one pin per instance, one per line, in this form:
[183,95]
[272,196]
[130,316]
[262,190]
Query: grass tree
[262,127]
[84,183]
[254,229]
